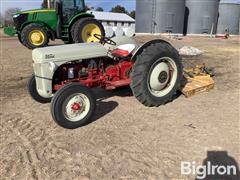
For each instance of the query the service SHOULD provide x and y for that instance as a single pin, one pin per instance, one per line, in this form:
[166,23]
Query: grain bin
[144,16]
[229,17]
[201,16]
[160,16]
[169,16]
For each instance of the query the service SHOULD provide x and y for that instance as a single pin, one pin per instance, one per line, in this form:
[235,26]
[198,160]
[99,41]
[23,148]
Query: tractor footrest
[110,85]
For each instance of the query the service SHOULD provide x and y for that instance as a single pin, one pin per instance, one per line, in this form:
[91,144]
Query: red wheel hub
[76,106]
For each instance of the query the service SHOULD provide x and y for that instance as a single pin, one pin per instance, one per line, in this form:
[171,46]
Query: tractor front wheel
[84,30]
[32,90]
[34,36]
[73,106]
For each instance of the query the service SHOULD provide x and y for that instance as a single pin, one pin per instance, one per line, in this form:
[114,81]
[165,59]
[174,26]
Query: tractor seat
[123,50]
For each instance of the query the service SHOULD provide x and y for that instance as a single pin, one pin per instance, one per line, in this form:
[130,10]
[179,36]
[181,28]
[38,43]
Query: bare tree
[1,20]
[8,17]
[45,4]
[119,9]
[88,7]
[132,14]
[99,9]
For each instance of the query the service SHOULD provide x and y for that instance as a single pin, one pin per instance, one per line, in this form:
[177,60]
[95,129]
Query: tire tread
[143,64]
[24,35]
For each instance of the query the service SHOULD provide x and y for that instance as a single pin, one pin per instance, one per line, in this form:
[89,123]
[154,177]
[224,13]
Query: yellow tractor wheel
[88,32]
[34,36]
[85,29]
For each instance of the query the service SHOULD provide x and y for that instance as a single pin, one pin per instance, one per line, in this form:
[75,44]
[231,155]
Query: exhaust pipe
[49,4]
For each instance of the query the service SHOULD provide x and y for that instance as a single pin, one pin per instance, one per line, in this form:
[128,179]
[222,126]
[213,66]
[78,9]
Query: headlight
[16,15]
[52,66]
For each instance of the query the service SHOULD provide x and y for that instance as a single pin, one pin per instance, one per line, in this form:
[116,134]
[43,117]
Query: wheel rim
[36,37]
[162,77]
[76,107]
[88,33]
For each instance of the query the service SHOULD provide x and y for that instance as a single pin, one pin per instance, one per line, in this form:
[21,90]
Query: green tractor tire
[34,36]
[83,30]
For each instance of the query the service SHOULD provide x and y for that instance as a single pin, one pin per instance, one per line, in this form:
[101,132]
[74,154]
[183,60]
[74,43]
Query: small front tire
[32,90]
[34,36]
[73,106]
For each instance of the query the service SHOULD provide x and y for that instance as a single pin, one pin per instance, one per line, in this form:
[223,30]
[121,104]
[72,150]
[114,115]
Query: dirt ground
[125,140]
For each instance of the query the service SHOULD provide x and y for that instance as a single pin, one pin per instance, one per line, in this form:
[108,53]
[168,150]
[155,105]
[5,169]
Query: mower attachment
[197,80]
[10,31]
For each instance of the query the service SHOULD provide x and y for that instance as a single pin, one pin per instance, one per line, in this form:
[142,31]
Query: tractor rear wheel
[34,36]
[73,106]
[157,74]
[84,30]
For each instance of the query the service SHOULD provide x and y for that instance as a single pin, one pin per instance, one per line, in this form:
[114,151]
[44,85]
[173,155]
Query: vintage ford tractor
[65,75]
[64,19]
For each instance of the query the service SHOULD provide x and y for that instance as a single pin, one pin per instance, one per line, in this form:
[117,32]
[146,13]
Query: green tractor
[63,19]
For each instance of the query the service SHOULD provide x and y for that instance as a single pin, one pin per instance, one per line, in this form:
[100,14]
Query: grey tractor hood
[68,52]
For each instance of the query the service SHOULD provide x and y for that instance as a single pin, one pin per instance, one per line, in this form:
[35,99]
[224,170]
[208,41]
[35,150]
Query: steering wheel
[104,39]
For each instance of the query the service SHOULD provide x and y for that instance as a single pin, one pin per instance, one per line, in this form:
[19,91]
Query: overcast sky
[106,4]
[32,4]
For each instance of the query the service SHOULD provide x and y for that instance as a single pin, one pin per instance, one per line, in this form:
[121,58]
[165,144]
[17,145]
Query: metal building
[229,17]
[116,24]
[160,16]
[201,16]
[114,19]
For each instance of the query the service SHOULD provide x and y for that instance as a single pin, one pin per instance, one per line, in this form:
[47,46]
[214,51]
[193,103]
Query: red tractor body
[110,78]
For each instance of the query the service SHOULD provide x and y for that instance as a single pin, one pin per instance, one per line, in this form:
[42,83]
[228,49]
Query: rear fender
[149,43]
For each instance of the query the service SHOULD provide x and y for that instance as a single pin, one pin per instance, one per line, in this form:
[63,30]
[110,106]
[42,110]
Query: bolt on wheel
[73,106]
[89,31]
[162,76]
[84,29]
[76,107]
[36,37]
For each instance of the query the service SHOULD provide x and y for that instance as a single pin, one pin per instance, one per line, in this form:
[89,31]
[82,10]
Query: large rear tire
[32,90]
[73,106]
[157,74]
[84,29]
[34,36]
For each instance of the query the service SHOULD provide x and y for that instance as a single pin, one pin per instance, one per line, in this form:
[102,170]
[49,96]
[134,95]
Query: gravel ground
[125,140]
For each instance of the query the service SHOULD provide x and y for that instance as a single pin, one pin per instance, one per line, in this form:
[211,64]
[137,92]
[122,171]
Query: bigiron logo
[209,169]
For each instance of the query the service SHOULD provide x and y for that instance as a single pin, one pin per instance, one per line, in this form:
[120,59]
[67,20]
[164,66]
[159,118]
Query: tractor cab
[67,9]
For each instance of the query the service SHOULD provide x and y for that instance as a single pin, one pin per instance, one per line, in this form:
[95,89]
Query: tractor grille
[37,69]
[44,84]
[18,21]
